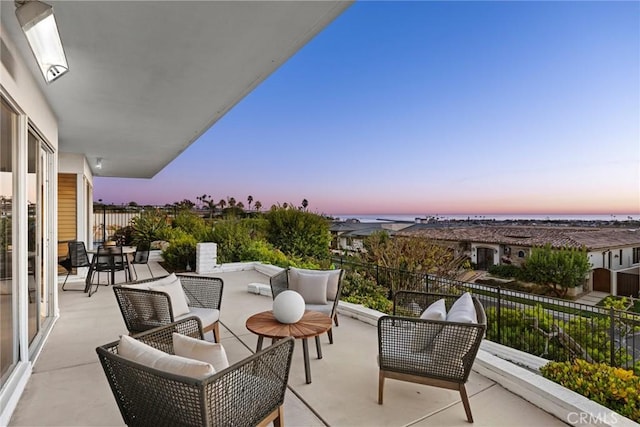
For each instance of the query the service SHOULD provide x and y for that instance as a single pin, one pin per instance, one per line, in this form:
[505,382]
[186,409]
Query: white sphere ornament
[288,307]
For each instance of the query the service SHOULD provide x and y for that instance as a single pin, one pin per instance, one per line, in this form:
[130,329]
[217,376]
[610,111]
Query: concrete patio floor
[69,388]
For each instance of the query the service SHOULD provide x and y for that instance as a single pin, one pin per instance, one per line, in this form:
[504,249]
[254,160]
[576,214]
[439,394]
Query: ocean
[500,217]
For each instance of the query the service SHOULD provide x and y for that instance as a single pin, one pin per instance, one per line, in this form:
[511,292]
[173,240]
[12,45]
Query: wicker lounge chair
[144,309]
[430,352]
[291,278]
[248,393]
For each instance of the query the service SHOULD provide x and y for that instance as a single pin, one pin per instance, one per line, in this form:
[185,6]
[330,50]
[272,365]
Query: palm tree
[222,204]
[249,200]
[231,201]
[258,205]
[305,203]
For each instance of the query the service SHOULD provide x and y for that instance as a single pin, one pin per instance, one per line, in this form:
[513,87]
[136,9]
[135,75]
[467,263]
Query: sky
[424,107]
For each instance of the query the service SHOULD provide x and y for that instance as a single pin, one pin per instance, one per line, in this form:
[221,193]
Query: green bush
[191,224]
[180,255]
[298,234]
[616,388]
[506,271]
[359,289]
[149,226]
[233,238]
[124,236]
[262,251]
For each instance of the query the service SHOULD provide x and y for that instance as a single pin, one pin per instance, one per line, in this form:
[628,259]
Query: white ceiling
[147,78]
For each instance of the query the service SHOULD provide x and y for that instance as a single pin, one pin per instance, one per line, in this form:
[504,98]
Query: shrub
[262,251]
[149,226]
[180,255]
[191,224]
[124,236]
[506,271]
[616,388]
[233,238]
[359,289]
[298,233]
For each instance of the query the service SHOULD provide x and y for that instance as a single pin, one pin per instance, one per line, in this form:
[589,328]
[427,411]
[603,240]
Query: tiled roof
[533,236]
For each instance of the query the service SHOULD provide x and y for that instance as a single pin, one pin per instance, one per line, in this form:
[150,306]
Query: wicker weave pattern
[241,395]
[146,309]
[430,352]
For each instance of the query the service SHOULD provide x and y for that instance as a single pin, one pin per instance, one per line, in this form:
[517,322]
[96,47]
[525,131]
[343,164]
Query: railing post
[498,316]
[612,337]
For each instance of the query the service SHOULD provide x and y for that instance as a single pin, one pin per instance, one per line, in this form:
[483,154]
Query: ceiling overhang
[147,78]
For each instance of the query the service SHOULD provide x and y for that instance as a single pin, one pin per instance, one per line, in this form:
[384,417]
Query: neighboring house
[348,236]
[145,81]
[614,253]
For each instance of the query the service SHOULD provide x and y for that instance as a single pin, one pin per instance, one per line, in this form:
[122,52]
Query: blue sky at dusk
[425,107]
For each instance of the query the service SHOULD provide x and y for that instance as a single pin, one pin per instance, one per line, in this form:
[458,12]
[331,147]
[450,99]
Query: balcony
[68,386]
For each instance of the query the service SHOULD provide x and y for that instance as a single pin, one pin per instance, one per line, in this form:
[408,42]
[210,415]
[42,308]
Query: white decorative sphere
[288,307]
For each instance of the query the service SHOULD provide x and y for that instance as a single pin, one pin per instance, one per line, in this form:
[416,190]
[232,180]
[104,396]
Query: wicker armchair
[248,393]
[144,309]
[282,282]
[430,352]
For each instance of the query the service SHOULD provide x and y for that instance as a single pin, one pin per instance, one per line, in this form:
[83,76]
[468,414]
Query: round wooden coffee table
[313,324]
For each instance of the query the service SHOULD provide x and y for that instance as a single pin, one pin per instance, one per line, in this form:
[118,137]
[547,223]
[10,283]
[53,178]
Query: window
[520,254]
[636,255]
[620,257]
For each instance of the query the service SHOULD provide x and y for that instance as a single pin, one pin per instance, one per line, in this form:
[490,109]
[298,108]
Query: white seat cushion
[322,308]
[205,351]
[208,316]
[139,352]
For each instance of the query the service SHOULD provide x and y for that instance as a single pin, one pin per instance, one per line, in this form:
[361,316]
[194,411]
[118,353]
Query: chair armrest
[143,309]
[162,337]
[202,291]
[248,391]
[279,282]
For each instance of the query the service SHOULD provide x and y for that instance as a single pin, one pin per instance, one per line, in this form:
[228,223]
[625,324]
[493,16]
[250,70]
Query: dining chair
[141,256]
[76,257]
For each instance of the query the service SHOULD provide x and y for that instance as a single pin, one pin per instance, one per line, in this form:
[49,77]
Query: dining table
[127,252]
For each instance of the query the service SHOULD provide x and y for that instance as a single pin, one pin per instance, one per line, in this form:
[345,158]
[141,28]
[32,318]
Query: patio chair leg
[279,421]
[380,386]
[216,332]
[465,402]
[335,319]
[330,334]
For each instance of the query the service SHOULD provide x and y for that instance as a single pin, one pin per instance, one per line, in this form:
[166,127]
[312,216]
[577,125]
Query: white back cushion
[423,334]
[176,295]
[139,352]
[313,288]
[205,351]
[333,280]
[463,310]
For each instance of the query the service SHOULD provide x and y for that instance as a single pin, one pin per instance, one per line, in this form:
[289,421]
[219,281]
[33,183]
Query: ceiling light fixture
[99,163]
[39,26]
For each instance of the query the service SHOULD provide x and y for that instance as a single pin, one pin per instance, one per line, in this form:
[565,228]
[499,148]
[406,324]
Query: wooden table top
[312,324]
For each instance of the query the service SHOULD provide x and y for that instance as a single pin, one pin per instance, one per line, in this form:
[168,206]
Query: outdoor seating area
[69,385]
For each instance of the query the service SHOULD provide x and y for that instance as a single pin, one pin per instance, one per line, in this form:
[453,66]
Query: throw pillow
[463,310]
[313,288]
[333,280]
[197,349]
[144,354]
[424,333]
[176,295]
